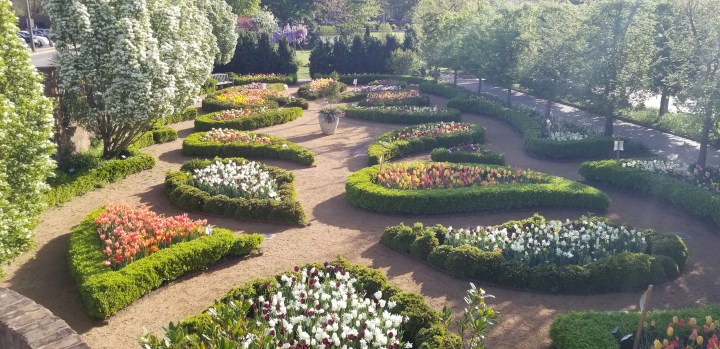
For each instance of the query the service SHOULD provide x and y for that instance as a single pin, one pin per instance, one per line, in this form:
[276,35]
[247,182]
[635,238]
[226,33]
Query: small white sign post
[355,84]
[644,300]
[619,146]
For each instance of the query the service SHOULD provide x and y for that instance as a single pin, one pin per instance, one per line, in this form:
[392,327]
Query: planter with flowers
[329,119]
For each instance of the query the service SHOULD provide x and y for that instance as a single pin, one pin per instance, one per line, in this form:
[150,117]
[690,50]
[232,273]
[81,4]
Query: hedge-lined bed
[106,291]
[183,194]
[364,79]
[697,201]
[423,327]
[403,114]
[418,101]
[364,191]
[318,88]
[273,148]
[389,145]
[212,103]
[468,153]
[478,254]
[254,121]
[263,78]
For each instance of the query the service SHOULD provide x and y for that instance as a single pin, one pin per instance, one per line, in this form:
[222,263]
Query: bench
[222,79]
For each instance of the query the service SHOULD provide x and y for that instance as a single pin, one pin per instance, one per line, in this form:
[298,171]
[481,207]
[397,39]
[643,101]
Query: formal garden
[414,184]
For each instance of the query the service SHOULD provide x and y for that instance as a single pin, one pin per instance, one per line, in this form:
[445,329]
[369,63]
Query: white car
[43,41]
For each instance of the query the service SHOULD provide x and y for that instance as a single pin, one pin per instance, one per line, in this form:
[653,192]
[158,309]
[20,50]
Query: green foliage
[335,86]
[327,30]
[277,79]
[396,117]
[187,197]
[264,119]
[483,157]
[105,291]
[404,62]
[278,149]
[189,113]
[366,55]
[256,54]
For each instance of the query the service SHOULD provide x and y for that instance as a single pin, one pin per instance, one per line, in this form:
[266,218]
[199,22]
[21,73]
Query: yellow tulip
[708,320]
[657,345]
[675,320]
[693,322]
[665,343]
[713,327]
[670,331]
[699,340]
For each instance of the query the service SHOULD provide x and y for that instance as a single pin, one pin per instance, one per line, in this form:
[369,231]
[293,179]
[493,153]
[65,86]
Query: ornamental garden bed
[263,78]
[228,143]
[589,255]
[395,98]
[236,188]
[424,137]
[320,88]
[403,114]
[439,187]
[684,185]
[246,119]
[468,153]
[118,254]
[695,328]
[334,305]
[244,97]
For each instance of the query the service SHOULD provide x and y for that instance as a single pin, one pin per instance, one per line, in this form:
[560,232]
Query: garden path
[336,228]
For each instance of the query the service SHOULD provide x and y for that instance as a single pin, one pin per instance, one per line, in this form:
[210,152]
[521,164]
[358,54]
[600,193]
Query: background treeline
[256,54]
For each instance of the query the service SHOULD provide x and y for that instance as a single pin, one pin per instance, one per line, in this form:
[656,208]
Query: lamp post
[30,25]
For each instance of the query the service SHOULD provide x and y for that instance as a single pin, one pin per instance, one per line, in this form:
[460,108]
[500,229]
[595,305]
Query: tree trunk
[509,96]
[609,121]
[455,78]
[704,140]
[548,108]
[479,86]
[437,74]
[664,103]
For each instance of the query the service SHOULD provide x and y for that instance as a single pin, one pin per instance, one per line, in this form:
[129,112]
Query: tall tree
[291,11]
[244,8]
[505,45]
[223,22]
[665,64]
[476,43]
[399,10]
[25,147]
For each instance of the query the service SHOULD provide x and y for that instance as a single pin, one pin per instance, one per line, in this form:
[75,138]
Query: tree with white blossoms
[124,64]
[25,147]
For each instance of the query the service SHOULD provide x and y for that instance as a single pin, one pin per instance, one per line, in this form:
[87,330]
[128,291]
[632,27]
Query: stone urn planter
[329,119]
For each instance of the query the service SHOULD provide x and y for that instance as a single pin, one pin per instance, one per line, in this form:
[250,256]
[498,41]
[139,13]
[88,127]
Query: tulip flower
[670,331]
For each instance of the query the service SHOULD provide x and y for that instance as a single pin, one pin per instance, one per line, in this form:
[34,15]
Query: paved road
[43,57]
[673,147]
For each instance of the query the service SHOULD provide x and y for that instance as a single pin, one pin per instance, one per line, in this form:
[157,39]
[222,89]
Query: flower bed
[263,78]
[242,98]
[232,143]
[581,256]
[468,153]
[336,305]
[364,79]
[409,176]
[708,178]
[394,98]
[246,119]
[237,201]
[318,88]
[404,114]
[424,137]
[363,191]
[699,200]
[594,329]
[105,291]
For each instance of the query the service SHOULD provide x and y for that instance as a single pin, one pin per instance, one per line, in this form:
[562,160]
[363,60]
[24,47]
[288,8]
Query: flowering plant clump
[236,180]
[539,241]
[128,234]
[389,82]
[233,114]
[468,148]
[319,85]
[409,109]
[431,130]
[393,95]
[680,333]
[708,178]
[255,86]
[380,88]
[249,97]
[226,135]
[441,176]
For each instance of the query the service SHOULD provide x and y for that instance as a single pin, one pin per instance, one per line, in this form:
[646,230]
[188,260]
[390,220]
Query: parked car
[40,41]
[26,37]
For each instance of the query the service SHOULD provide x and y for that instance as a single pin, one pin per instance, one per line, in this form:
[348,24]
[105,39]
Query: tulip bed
[419,176]
[263,78]
[338,305]
[395,98]
[590,255]
[424,137]
[318,88]
[468,153]
[233,143]
[105,291]
[403,114]
[241,98]
[181,191]
[246,119]
[542,190]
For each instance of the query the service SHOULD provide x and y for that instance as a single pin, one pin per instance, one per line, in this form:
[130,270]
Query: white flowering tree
[126,63]
[25,146]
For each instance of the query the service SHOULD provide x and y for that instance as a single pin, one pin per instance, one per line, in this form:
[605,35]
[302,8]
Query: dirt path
[337,228]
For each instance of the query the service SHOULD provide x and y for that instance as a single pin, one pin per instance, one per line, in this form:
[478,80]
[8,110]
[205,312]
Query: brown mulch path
[337,228]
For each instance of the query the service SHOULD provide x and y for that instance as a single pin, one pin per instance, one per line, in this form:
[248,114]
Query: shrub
[105,291]
[208,122]
[403,115]
[384,27]
[188,114]
[305,91]
[464,154]
[404,62]
[277,149]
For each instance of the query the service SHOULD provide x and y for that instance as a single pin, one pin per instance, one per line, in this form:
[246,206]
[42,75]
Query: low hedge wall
[277,79]
[264,119]
[397,117]
[385,147]
[304,91]
[483,157]
[189,113]
[553,192]
[105,291]
[697,201]
[593,329]
[278,149]
[423,327]
[664,259]
[187,197]
[212,104]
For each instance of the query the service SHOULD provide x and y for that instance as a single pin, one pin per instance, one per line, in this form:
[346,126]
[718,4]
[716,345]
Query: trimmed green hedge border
[185,196]
[592,329]
[265,119]
[664,259]
[212,104]
[364,79]
[422,101]
[423,328]
[395,117]
[304,91]
[280,79]
[553,192]
[484,157]
[697,201]
[104,291]
[394,149]
[278,149]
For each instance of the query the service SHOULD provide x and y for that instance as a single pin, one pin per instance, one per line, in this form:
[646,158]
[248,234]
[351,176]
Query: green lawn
[303,58]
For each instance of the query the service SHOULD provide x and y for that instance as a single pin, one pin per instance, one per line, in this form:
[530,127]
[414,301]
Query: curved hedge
[697,201]
[553,192]
[396,117]
[278,149]
[188,197]
[460,156]
[663,260]
[385,147]
[264,119]
[105,291]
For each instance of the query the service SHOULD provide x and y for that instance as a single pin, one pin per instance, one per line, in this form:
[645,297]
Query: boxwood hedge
[460,156]
[422,101]
[207,122]
[398,117]
[188,197]
[276,79]
[663,260]
[105,291]
[553,192]
[387,148]
[278,149]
